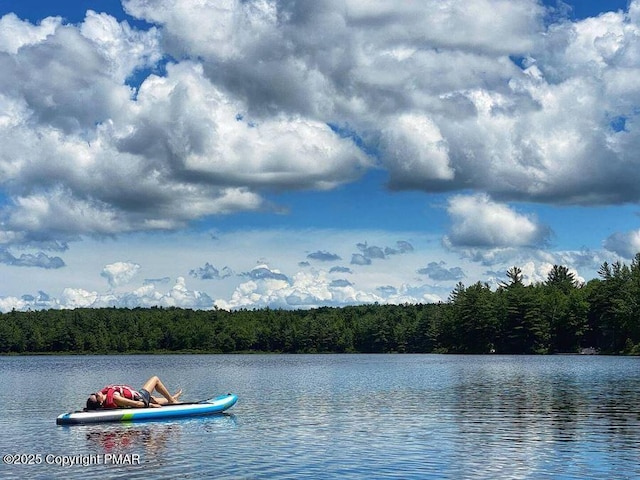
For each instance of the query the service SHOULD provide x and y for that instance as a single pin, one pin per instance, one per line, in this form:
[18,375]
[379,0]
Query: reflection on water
[122,439]
[151,438]
[549,406]
[342,416]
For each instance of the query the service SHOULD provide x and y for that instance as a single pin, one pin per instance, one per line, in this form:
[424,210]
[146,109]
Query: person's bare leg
[164,401]
[154,383]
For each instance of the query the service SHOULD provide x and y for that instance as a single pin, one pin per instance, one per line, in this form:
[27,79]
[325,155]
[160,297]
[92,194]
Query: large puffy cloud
[64,82]
[413,147]
[83,153]
[451,95]
[625,244]
[190,126]
[125,48]
[120,273]
[480,222]
[382,59]
[487,95]
[15,33]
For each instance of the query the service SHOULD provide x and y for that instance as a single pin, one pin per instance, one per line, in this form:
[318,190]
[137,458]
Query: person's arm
[121,401]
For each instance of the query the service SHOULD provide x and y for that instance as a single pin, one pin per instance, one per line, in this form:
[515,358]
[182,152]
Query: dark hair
[92,404]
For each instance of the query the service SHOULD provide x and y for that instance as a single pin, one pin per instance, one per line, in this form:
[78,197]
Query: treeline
[556,316]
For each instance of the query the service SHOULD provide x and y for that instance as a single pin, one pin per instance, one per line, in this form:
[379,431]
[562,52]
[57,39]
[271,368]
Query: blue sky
[298,154]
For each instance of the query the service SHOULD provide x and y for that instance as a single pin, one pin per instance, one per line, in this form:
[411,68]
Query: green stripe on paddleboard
[127,416]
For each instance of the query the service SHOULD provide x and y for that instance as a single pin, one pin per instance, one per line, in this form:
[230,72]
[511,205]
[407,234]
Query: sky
[291,154]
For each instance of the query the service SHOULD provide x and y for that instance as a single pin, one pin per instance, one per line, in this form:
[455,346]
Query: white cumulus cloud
[215,107]
[625,244]
[120,273]
[303,290]
[478,221]
[491,95]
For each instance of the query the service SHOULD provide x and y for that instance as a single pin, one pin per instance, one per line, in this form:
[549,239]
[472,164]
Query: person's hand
[155,405]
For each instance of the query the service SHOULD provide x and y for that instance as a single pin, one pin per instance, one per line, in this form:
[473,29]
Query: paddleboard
[205,407]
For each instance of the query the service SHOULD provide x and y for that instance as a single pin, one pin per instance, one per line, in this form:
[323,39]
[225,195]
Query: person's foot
[176,396]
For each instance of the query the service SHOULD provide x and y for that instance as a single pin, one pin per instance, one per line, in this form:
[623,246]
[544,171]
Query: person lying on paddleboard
[121,396]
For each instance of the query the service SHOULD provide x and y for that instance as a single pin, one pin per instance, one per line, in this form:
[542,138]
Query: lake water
[335,416]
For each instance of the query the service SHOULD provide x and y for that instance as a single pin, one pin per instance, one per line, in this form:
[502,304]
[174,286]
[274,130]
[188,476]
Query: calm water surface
[337,416]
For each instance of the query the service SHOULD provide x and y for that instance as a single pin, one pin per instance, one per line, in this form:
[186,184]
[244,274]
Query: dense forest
[556,316]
